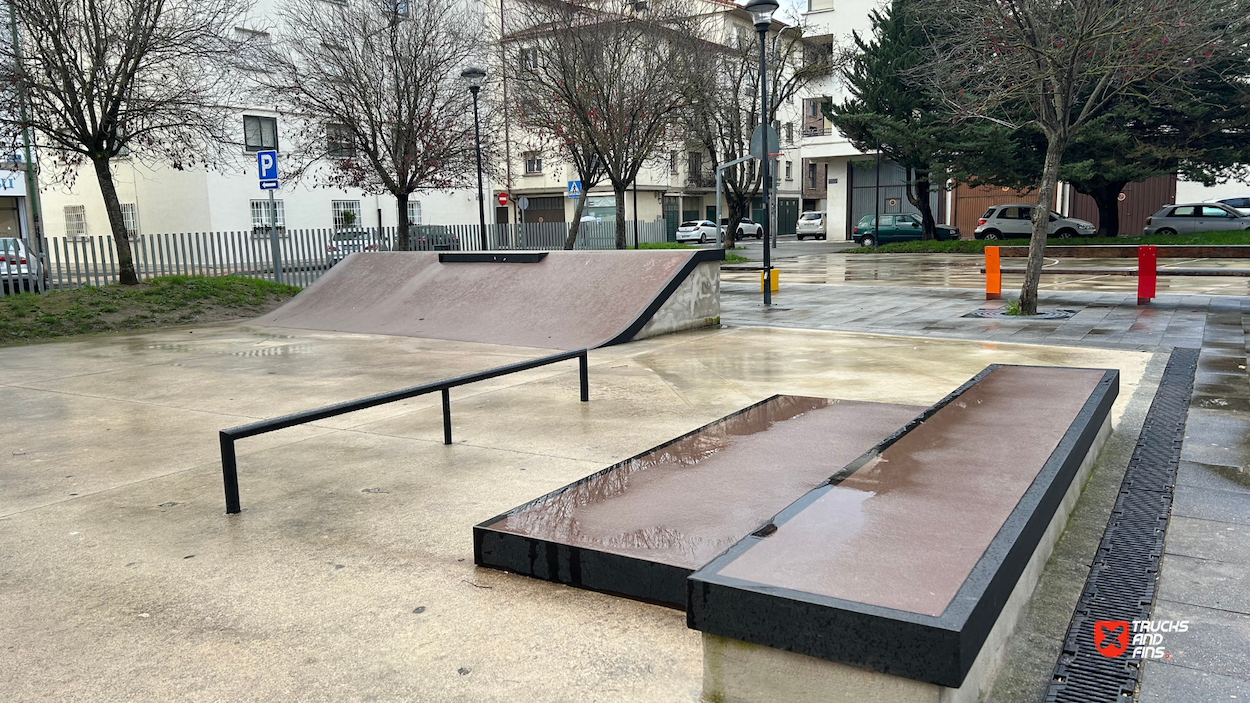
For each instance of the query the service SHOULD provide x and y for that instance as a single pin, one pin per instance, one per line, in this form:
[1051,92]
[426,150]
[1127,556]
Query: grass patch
[664,245]
[976,246]
[160,302]
[729,258]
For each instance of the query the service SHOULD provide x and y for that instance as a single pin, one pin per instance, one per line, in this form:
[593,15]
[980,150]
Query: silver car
[1195,217]
[1015,221]
[1240,203]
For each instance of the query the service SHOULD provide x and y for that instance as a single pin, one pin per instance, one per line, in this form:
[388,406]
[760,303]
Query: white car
[16,271]
[811,224]
[697,231]
[1240,203]
[746,228]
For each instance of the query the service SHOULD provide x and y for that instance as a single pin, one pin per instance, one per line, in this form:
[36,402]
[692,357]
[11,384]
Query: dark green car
[897,228]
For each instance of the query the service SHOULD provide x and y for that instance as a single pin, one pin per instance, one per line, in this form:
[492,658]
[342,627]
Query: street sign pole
[267,171]
[274,245]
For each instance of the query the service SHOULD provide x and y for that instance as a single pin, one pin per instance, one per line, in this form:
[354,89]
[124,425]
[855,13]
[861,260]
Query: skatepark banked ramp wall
[557,300]
[573,301]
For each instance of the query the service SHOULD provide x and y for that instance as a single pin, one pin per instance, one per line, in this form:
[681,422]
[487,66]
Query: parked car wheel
[1166,230]
[993,234]
[798,237]
[868,242]
[1065,233]
[823,236]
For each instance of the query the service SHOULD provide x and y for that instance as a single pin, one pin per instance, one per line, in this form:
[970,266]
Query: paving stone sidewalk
[1204,574]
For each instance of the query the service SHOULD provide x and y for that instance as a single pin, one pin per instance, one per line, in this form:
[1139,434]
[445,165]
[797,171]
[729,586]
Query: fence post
[1147,271]
[993,275]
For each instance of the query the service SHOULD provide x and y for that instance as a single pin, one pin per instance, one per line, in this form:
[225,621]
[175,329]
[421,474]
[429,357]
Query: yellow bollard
[776,276]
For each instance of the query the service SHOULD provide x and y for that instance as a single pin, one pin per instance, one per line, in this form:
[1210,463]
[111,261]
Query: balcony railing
[814,131]
[701,179]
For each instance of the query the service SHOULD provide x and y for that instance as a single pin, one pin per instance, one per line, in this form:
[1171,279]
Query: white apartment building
[157,199]
[678,185]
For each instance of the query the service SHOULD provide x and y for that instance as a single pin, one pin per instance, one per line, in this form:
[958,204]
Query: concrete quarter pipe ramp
[557,300]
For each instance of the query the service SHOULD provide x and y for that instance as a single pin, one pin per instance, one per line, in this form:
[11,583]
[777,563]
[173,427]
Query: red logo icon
[1109,642]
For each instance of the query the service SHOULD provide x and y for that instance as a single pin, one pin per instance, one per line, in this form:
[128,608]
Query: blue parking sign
[267,168]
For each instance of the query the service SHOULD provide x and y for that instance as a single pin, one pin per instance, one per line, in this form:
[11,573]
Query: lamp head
[473,76]
[762,13]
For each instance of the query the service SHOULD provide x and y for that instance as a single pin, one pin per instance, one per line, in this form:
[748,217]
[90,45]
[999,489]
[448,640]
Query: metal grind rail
[229,464]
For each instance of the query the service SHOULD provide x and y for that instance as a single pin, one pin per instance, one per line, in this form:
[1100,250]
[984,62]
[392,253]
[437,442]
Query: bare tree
[726,106]
[618,70]
[546,117]
[104,78]
[379,95]
[1067,61]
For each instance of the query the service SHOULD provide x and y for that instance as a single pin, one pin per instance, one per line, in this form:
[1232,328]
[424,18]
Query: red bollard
[1147,273]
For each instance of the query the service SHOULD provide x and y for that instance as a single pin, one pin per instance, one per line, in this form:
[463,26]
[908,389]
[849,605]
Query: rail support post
[1147,273]
[446,416]
[229,473]
[993,275]
[584,373]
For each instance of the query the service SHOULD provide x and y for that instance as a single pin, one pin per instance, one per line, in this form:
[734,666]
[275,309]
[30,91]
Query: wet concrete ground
[349,575]
[1203,576]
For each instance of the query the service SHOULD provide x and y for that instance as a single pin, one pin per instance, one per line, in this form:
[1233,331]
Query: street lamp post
[474,77]
[762,15]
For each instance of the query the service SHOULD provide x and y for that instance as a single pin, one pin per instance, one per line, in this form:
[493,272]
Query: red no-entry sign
[503,199]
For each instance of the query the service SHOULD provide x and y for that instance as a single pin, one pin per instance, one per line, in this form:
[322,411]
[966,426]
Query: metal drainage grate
[1121,583]
[1001,314]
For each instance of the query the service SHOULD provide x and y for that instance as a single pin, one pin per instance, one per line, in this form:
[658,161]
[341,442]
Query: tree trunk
[619,189]
[125,260]
[402,240]
[735,211]
[1041,225]
[578,209]
[918,196]
[1107,199]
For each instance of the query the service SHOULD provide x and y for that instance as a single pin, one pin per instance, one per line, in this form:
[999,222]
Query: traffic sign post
[575,189]
[267,171]
[502,199]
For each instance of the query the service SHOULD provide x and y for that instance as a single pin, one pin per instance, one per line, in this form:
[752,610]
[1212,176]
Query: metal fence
[303,254]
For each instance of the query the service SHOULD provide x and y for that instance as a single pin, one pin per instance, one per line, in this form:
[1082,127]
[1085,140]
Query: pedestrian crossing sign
[575,189]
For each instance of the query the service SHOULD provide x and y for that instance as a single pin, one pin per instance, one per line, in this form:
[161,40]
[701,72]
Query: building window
[789,171]
[414,212]
[533,163]
[694,164]
[339,141]
[529,58]
[260,216]
[813,108]
[75,221]
[811,175]
[346,214]
[789,132]
[260,132]
[252,49]
[130,218]
[673,160]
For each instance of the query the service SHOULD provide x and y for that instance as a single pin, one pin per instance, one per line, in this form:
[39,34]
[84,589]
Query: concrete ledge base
[740,672]
[695,304]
